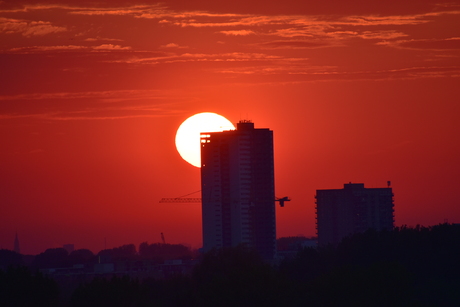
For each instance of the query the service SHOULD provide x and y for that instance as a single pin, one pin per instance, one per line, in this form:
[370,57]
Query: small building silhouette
[353,209]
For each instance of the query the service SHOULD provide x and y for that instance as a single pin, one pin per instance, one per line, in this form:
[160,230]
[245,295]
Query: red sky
[91,98]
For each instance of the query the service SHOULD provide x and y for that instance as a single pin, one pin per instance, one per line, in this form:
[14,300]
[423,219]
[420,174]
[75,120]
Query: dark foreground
[404,267]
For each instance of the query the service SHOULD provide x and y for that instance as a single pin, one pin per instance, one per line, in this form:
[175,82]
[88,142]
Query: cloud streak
[93,105]
[28,28]
[451,43]
[120,95]
[70,48]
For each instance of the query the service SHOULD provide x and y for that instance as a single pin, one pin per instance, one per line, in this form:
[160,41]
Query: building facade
[238,190]
[353,209]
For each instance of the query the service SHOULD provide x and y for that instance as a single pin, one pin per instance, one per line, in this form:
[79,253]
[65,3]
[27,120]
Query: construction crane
[163,238]
[183,199]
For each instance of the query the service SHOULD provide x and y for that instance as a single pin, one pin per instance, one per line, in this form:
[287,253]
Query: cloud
[69,48]
[288,67]
[381,35]
[237,32]
[295,32]
[28,28]
[154,11]
[279,34]
[107,47]
[296,44]
[34,49]
[452,43]
[93,95]
[200,57]
[93,105]
[234,21]
[308,73]
[173,45]
[69,117]
[384,20]
[95,39]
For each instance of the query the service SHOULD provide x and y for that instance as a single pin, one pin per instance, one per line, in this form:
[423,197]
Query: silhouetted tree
[290,243]
[177,291]
[161,251]
[236,277]
[412,265]
[118,291]
[124,252]
[404,267]
[19,287]
[8,258]
[51,258]
[80,256]
[381,284]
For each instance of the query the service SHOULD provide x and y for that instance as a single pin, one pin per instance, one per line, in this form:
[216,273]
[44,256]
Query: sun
[188,134]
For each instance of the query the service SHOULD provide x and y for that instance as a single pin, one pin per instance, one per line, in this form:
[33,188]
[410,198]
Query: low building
[353,209]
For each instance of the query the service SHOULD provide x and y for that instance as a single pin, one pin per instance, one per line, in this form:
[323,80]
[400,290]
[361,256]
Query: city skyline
[92,97]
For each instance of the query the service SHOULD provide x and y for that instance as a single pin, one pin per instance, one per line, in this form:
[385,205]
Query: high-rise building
[238,190]
[353,209]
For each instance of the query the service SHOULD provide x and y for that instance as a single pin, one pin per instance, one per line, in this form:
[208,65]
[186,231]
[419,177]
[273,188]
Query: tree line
[404,267]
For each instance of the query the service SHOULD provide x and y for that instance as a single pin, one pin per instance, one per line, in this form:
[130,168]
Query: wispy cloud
[200,57]
[173,46]
[95,39]
[297,44]
[58,116]
[308,73]
[451,43]
[27,27]
[264,44]
[237,32]
[69,48]
[384,20]
[107,47]
[285,26]
[96,105]
[289,67]
[381,35]
[120,95]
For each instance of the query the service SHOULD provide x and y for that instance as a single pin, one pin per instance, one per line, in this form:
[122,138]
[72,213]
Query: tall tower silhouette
[16,244]
[238,190]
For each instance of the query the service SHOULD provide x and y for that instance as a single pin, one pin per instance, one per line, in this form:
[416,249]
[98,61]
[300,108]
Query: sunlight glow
[188,134]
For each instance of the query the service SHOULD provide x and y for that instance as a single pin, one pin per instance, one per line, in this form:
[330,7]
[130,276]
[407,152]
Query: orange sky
[91,98]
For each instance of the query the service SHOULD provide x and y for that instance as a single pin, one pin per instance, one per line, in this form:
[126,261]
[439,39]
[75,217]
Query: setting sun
[188,134]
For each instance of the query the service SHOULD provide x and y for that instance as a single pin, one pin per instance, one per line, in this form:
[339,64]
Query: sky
[91,97]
